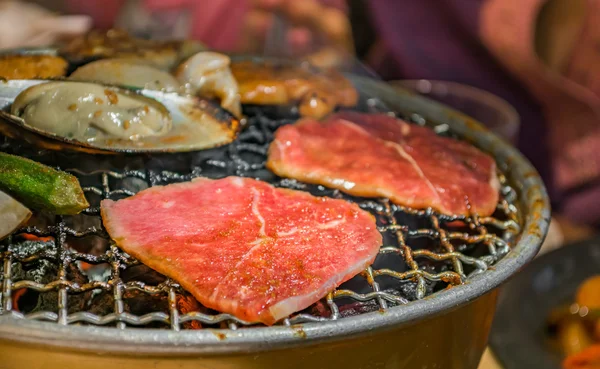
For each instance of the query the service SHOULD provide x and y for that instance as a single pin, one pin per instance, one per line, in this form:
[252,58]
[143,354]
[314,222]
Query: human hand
[28,25]
[317,29]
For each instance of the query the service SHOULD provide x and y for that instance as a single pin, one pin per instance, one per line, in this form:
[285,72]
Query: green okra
[40,187]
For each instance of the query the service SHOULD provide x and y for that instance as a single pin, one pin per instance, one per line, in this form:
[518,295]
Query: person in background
[226,25]
[26,25]
[539,55]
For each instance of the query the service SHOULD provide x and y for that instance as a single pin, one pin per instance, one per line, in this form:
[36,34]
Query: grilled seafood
[94,118]
[89,112]
[32,66]
[208,74]
[204,74]
[119,44]
[126,72]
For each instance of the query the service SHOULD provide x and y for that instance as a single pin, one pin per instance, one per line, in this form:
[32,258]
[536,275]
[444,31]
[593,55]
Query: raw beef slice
[375,155]
[243,247]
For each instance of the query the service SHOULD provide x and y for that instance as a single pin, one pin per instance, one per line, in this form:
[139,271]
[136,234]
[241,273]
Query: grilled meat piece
[318,92]
[375,155]
[243,247]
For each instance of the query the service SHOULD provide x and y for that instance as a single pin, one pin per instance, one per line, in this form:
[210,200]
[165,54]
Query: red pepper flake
[98,101]
[98,113]
[72,107]
[126,124]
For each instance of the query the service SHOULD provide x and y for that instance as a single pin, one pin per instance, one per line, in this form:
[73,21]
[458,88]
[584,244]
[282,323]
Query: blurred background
[525,68]
[528,69]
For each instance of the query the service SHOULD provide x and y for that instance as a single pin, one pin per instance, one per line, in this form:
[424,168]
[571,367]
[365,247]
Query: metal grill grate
[77,276]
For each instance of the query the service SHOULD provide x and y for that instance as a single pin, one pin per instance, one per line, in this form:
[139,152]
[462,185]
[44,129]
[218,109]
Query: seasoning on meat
[318,92]
[375,155]
[244,247]
[32,66]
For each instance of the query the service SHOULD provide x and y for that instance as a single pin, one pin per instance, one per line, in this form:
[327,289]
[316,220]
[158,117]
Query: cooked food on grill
[103,119]
[207,74]
[318,92]
[126,72]
[40,187]
[375,155]
[12,215]
[576,328]
[32,66]
[90,112]
[243,247]
[119,44]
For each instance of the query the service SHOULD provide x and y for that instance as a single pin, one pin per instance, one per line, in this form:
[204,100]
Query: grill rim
[535,211]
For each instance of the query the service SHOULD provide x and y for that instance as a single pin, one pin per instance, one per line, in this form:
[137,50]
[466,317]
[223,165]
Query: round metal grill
[66,270]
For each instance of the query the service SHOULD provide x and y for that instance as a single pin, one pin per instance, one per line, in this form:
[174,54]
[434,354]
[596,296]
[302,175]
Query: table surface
[561,232]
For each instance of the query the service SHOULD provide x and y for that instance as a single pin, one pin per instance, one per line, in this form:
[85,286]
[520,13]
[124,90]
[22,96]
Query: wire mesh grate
[66,269]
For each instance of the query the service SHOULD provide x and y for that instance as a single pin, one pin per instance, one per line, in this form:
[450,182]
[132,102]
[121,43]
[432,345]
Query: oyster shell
[95,118]
[126,72]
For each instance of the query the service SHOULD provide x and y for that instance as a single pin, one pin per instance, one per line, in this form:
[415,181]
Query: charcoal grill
[426,302]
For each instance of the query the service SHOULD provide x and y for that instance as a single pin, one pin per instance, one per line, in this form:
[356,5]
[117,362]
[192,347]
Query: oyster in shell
[126,72]
[90,112]
[94,118]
